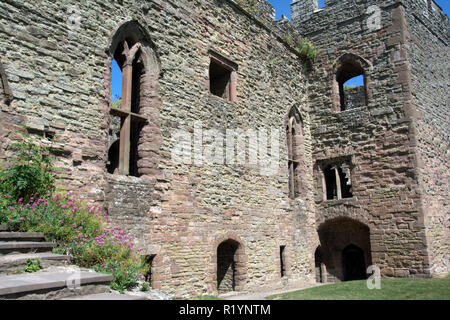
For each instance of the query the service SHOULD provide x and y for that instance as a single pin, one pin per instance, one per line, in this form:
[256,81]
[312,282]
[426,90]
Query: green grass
[391,289]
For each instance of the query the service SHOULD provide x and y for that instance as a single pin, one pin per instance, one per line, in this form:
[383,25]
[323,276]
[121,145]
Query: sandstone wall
[429,55]
[57,61]
[378,138]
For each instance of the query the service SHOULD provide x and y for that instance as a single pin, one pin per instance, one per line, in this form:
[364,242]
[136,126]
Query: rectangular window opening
[282,261]
[219,78]
[338,183]
[222,77]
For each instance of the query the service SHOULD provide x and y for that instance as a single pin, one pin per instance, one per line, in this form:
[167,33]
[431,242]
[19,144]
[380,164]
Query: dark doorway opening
[113,157]
[353,264]
[318,260]
[226,267]
[149,275]
[345,250]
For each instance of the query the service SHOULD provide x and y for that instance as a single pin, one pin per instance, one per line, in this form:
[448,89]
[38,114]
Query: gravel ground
[262,295]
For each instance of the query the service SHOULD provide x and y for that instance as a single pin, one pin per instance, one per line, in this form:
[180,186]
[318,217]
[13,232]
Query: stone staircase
[56,279]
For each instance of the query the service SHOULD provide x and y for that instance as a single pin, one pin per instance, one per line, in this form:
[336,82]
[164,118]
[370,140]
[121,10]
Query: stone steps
[53,281]
[22,236]
[43,286]
[7,247]
[16,248]
[14,263]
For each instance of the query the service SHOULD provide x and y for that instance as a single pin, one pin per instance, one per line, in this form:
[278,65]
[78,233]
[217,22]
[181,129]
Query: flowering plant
[82,231]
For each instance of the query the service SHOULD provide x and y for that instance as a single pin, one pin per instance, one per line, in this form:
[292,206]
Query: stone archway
[230,266]
[345,249]
[226,266]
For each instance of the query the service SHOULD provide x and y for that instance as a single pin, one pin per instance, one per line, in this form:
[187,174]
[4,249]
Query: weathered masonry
[362,173]
[379,152]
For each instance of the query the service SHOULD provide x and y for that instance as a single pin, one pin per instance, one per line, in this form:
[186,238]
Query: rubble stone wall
[57,59]
[379,137]
[429,55]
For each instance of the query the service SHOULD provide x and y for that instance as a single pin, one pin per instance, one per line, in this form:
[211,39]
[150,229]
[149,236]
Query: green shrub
[30,171]
[111,252]
[126,274]
[303,46]
[116,104]
[306,49]
[82,232]
[27,204]
[59,217]
[33,265]
[251,5]
[145,287]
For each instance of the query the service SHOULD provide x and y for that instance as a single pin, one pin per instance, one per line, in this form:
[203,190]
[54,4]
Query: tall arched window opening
[350,89]
[134,79]
[295,143]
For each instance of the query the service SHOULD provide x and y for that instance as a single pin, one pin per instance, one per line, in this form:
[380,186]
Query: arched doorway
[345,249]
[226,266]
[353,264]
[320,270]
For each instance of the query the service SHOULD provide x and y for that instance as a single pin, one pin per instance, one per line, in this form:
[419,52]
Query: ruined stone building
[363,172]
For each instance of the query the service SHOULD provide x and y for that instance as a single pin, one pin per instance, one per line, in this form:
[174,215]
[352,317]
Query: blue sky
[281,7]
[116,76]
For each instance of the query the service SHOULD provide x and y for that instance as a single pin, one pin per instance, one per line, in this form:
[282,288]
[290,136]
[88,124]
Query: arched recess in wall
[134,130]
[6,95]
[228,264]
[345,249]
[351,66]
[296,149]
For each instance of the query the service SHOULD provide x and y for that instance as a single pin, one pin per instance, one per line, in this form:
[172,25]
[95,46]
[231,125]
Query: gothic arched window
[295,144]
[139,68]
[350,88]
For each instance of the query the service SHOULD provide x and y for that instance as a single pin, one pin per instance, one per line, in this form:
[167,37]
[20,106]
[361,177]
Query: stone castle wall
[379,138]
[58,67]
[429,55]
[57,60]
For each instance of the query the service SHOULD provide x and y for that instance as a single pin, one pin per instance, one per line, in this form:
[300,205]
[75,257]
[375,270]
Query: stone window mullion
[125,111]
[338,183]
